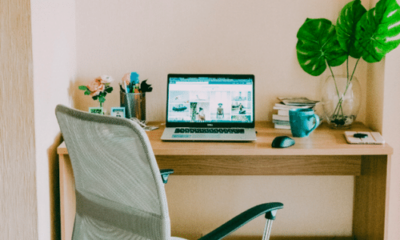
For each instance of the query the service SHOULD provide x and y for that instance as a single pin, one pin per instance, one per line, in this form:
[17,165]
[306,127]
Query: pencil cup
[134,104]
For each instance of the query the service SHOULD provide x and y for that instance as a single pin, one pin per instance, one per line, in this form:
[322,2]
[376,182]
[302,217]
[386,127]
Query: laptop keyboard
[210,130]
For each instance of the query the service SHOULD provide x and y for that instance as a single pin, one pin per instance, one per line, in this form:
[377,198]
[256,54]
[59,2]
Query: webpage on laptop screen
[210,100]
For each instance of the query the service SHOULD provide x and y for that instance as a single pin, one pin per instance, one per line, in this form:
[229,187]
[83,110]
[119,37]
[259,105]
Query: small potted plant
[98,88]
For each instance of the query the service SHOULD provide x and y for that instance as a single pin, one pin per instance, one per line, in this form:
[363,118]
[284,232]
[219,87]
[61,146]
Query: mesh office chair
[119,191]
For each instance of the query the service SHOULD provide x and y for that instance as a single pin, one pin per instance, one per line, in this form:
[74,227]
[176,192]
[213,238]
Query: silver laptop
[210,107]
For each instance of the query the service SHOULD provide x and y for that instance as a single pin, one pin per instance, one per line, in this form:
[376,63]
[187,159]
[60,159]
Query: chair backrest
[119,191]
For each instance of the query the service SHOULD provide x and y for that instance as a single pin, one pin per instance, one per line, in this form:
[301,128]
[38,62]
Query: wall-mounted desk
[324,152]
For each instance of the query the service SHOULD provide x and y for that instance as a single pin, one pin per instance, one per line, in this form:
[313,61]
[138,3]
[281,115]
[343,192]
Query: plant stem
[349,81]
[354,70]
[339,105]
[347,67]
[338,113]
[333,76]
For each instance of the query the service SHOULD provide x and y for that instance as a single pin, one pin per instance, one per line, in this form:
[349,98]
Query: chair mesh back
[119,192]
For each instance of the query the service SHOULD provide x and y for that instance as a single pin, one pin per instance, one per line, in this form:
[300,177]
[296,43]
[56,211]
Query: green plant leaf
[82,87]
[87,92]
[346,27]
[95,97]
[102,99]
[318,46]
[377,31]
[109,89]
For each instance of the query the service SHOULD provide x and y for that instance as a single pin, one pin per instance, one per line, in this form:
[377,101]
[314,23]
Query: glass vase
[341,99]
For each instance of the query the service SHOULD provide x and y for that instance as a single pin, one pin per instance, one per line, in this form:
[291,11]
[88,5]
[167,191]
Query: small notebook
[373,138]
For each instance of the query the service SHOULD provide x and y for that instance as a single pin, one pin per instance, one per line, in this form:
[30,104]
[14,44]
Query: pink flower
[127,78]
[96,87]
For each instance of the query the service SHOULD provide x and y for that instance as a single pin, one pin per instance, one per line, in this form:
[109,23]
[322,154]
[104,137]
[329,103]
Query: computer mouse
[282,142]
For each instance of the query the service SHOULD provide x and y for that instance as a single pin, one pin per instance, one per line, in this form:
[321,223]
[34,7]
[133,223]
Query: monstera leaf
[346,27]
[377,29]
[317,46]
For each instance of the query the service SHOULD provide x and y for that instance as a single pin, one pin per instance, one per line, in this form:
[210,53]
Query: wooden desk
[324,152]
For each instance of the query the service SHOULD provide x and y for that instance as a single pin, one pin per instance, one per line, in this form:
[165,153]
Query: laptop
[210,107]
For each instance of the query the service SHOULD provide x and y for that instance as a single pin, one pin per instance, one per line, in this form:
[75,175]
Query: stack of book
[281,118]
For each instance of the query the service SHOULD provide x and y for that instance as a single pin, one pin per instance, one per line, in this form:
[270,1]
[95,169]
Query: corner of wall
[375,95]
[54,72]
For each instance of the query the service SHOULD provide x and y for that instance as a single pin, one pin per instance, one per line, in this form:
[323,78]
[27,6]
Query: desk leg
[67,197]
[370,199]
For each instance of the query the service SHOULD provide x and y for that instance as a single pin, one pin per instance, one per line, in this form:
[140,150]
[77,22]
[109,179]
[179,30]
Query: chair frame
[269,209]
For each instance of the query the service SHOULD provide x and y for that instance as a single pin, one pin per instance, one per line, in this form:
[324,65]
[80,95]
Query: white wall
[384,116]
[54,67]
[155,38]
[391,133]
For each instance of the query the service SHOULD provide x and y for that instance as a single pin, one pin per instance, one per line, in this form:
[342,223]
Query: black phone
[360,135]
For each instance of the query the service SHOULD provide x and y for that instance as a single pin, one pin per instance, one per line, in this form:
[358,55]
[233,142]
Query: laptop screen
[210,100]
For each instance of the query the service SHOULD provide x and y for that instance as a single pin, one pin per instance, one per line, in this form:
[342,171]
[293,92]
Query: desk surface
[324,152]
[323,141]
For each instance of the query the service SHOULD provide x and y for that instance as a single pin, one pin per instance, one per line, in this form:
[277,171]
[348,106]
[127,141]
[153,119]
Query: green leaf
[317,46]
[109,89]
[346,27]
[95,97]
[87,92]
[82,87]
[378,31]
[102,99]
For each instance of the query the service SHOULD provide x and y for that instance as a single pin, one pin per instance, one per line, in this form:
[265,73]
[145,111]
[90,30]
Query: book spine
[287,107]
[283,112]
[278,126]
[281,118]
[280,122]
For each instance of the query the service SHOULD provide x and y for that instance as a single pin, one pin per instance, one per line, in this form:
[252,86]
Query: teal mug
[303,121]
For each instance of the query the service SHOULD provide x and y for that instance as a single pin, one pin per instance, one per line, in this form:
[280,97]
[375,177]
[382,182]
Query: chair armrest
[242,219]
[165,174]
